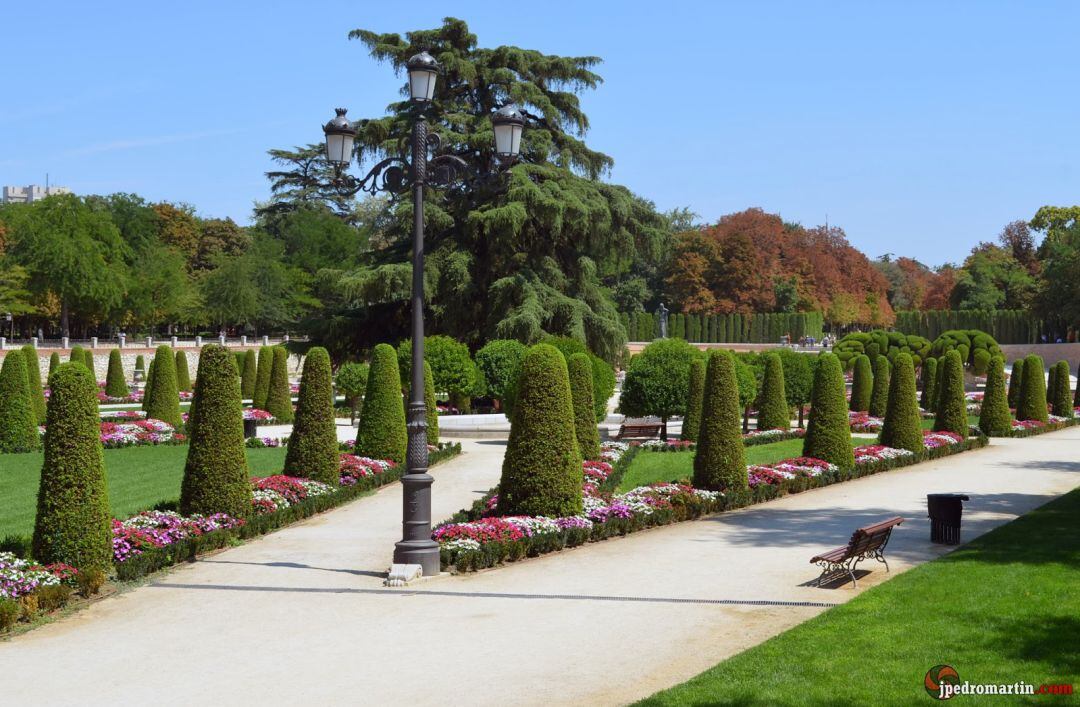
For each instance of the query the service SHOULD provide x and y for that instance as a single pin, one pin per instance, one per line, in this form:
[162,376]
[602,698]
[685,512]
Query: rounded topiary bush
[183,376]
[968,343]
[694,400]
[382,433]
[431,409]
[929,380]
[54,362]
[313,446]
[902,427]
[115,384]
[720,460]
[163,397]
[262,377]
[247,375]
[883,343]
[952,406]
[828,432]
[1031,404]
[995,420]
[542,473]
[773,410]
[579,369]
[18,424]
[1061,398]
[72,523]
[1016,380]
[279,397]
[33,378]
[76,355]
[879,392]
[216,472]
[862,384]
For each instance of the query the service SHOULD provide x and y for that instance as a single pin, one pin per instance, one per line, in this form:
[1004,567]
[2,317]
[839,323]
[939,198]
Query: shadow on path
[296,565]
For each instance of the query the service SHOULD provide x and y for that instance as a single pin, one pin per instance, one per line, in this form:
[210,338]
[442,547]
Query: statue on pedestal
[661,313]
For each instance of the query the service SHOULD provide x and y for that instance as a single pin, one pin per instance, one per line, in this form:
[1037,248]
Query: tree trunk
[800,417]
[663,429]
[746,419]
[64,315]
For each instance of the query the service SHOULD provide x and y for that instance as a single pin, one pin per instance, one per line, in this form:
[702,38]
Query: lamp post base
[419,552]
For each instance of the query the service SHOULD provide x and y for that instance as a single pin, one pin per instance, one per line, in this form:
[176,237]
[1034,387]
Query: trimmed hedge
[262,377]
[1016,380]
[382,433]
[881,343]
[247,375]
[995,420]
[968,342]
[183,375]
[216,472]
[1031,404]
[929,384]
[579,369]
[115,384]
[313,447]
[541,472]
[33,378]
[694,401]
[279,396]
[73,521]
[18,424]
[902,427]
[773,410]
[720,461]
[862,384]
[879,392]
[163,397]
[828,433]
[1061,395]
[952,406]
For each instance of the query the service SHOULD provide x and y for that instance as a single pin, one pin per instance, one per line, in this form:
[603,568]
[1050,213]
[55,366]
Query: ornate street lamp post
[398,175]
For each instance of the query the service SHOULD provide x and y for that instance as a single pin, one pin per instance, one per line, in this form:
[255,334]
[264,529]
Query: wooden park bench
[866,542]
[638,430]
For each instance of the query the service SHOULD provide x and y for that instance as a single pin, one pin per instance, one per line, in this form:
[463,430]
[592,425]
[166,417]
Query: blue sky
[920,128]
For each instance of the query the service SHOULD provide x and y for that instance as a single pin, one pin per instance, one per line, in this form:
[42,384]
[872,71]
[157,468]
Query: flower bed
[122,415]
[1031,428]
[157,529]
[750,439]
[261,442]
[261,417]
[135,433]
[476,538]
[19,578]
[863,422]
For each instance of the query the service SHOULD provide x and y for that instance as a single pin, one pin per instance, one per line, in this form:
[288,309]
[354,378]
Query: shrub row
[1048,427]
[725,328]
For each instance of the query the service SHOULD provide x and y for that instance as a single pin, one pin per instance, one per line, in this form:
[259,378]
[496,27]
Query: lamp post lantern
[398,175]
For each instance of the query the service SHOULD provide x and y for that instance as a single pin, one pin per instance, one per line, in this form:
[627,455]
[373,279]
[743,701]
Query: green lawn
[928,423]
[655,467]
[1003,609]
[139,477]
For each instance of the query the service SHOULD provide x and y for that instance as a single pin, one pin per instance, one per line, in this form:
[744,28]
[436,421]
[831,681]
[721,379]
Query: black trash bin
[944,510]
[249,429]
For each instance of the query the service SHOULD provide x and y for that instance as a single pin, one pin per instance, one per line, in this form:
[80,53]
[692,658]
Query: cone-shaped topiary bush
[216,472]
[279,397]
[72,524]
[952,406]
[163,397]
[541,473]
[1031,404]
[1051,384]
[247,375]
[1061,399]
[148,385]
[140,363]
[1015,381]
[879,395]
[929,377]
[579,369]
[115,384]
[720,461]
[238,358]
[313,446]
[183,376]
[381,433]
[76,355]
[902,427]
[995,420]
[18,424]
[773,410]
[88,357]
[862,384]
[262,377]
[695,397]
[828,433]
[33,378]
[54,363]
[431,410]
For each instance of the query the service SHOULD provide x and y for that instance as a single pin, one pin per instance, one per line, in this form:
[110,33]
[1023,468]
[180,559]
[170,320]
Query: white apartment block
[30,194]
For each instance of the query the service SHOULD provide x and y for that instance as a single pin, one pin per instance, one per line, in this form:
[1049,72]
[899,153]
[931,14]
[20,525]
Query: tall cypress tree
[115,384]
[929,377]
[902,427]
[694,402]
[247,374]
[1061,400]
[720,461]
[262,377]
[879,394]
[828,432]
[183,376]
[54,363]
[279,396]
[164,397]
[952,406]
[33,377]
[773,411]
[1032,401]
[1015,382]
[381,433]
[579,369]
[862,384]
[313,447]
[994,418]
[18,424]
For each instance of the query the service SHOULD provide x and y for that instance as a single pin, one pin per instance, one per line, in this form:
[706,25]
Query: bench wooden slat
[866,542]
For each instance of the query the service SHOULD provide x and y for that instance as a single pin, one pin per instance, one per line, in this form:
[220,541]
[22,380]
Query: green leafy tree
[262,377]
[720,461]
[749,373]
[579,368]
[499,361]
[351,380]
[163,398]
[1061,398]
[995,420]
[657,381]
[33,377]
[183,376]
[542,472]
[929,377]
[862,384]
[828,435]
[115,383]
[1058,294]
[279,397]
[313,446]
[773,410]
[431,410]
[18,424]
[1016,382]
[879,395]
[382,433]
[798,379]
[72,522]
[694,401]
[902,426]
[1032,401]
[952,406]
[216,471]
[451,365]
[248,373]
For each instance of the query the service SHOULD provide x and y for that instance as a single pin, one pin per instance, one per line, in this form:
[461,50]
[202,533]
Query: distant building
[30,194]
